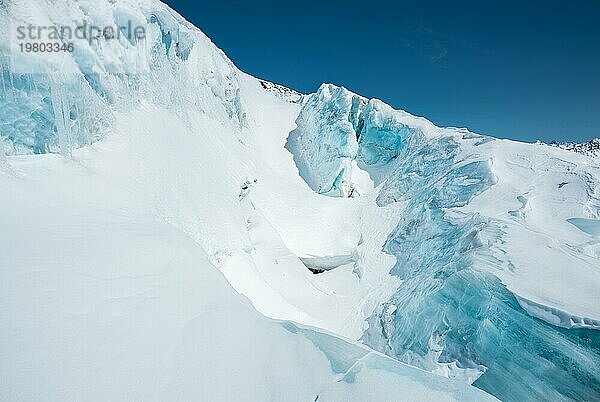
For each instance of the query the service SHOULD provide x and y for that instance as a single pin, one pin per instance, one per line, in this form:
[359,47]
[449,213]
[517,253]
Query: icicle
[60,105]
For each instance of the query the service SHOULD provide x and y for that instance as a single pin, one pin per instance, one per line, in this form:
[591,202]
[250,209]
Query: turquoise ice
[449,315]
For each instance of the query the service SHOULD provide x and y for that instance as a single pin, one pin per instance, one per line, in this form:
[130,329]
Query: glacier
[172,228]
[450,314]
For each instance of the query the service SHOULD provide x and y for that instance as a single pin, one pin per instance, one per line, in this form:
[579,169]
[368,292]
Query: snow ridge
[282,91]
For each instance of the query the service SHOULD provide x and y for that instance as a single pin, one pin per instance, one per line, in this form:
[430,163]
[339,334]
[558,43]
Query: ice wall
[337,128]
[450,315]
[55,102]
[323,152]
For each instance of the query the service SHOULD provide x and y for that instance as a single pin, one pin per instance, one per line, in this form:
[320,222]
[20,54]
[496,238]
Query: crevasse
[450,315]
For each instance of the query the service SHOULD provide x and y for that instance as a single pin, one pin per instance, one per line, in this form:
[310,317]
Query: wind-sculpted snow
[450,315]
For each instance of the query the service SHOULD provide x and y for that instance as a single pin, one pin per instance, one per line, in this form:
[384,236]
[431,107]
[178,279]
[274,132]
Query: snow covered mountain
[590,148]
[172,228]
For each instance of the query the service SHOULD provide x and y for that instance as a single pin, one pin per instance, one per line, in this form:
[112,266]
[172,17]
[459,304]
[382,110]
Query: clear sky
[524,70]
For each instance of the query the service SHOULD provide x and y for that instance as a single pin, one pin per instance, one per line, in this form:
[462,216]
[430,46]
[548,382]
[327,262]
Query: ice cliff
[451,314]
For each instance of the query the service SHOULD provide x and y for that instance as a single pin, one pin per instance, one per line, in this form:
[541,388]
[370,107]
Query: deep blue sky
[524,70]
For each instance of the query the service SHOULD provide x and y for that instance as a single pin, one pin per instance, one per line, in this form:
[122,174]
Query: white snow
[109,289]
[540,190]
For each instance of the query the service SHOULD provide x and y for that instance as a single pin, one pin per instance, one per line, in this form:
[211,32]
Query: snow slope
[104,299]
[146,179]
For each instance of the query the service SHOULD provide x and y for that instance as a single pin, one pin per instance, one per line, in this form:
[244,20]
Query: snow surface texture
[164,180]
